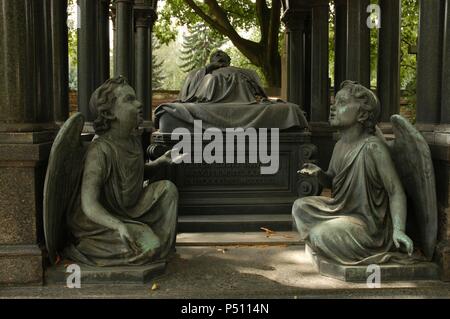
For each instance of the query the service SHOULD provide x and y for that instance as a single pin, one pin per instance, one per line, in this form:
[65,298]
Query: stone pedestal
[23,159]
[240,188]
[106,275]
[388,272]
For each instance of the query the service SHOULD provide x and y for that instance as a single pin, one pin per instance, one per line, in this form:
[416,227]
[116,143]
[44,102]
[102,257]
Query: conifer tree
[158,73]
[198,45]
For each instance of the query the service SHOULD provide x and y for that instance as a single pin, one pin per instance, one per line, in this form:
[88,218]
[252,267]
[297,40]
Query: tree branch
[221,23]
[263,18]
[274,27]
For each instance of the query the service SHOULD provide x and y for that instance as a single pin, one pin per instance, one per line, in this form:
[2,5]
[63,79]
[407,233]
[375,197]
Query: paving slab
[239,272]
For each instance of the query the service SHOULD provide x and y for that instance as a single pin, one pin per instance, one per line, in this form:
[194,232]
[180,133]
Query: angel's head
[354,104]
[114,104]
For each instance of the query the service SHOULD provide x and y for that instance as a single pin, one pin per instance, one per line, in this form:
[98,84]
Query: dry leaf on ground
[155,286]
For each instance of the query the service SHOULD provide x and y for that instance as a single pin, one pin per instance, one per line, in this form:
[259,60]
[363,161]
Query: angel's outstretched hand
[310,169]
[401,239]
[167,158]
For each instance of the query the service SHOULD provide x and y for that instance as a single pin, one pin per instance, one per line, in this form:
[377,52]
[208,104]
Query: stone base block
[20,265]
[389,272]
[106,275]
[443,256]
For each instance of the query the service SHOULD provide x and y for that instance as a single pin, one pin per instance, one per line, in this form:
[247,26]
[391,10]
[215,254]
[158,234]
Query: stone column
[445,90]
[88,58]
[124,45]
[46,60]
[114,27]
[429,62]
[60,62]
[319,62]
[295,28]
[340,43]
[145,17]
[307,62]
[388,79]
[103,41]
[358,42]
[26,134]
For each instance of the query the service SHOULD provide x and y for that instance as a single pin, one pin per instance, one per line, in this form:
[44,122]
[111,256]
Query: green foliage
[198,45]
[176,13]
[239,60]
[409,31]
[168,54]
[234,19]
[73,42]
[158,75]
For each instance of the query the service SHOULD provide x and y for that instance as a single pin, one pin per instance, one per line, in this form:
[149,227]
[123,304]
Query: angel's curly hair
[369,103]
[102,101]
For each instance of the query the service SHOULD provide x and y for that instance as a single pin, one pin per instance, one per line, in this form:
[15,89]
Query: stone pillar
[433,109]
[124,45]
[307,62]
[294,21]
[88,61]
[103,41]
[114,27]
[429,62]
[46,60]
[445,90]
[60,62]
[358,42]
[319,62]
[26,134]
[340,43]
[388,79]
[145,17]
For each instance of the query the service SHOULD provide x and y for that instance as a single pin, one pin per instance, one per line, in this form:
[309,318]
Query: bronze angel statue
[375,186]
[98,210]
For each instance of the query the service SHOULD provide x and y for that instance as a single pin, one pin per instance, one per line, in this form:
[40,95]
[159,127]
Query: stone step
[234,223]
[261,238]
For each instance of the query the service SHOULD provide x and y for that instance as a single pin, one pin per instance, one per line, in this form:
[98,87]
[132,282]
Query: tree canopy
[232,18]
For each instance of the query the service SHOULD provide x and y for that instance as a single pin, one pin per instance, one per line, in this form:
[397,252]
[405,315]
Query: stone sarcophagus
[245,183]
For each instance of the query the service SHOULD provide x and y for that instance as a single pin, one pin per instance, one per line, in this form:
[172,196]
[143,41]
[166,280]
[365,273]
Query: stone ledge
[106,275]
[25,152]
[20,264]
[27,137]
[389,272]
[19,250]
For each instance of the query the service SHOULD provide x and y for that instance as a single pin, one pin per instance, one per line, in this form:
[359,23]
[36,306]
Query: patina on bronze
[365,219]
[97,209]
[223,96]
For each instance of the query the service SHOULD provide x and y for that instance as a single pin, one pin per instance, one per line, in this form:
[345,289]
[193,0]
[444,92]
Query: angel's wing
[61,182]
[412,158]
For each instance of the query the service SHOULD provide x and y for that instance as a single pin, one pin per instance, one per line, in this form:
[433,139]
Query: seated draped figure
[116,219]
[224,96]
[366,215]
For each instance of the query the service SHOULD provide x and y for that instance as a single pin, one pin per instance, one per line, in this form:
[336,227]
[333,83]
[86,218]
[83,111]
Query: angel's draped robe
[354,226]
[150,212]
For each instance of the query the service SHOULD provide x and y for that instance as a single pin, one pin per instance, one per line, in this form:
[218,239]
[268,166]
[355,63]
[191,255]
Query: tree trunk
[271,67]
